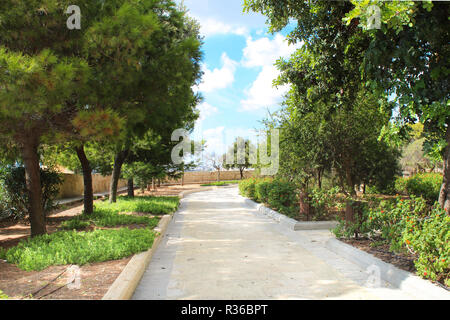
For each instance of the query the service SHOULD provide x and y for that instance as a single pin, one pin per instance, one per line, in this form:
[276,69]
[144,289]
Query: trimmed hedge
[277,194]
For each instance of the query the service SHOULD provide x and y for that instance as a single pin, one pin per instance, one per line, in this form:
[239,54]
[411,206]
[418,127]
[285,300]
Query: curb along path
[219,247]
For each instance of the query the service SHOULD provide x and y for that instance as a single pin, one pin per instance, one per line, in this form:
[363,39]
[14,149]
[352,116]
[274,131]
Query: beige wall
[73,186]
[205,177]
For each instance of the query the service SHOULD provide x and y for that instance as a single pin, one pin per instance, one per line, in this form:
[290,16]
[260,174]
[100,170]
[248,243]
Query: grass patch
[220,183]
[106,218]
[3,296]
[153,205]
[80,248]
[109,214]
[72,247]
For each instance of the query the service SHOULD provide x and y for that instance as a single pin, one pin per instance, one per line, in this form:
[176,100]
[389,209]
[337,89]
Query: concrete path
[219,248]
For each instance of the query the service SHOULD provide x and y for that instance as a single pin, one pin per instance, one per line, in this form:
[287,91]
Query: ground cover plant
[77,244]
[153,205]
[72,247]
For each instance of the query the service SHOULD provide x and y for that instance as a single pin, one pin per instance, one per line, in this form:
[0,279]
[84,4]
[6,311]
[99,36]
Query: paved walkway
[219,248]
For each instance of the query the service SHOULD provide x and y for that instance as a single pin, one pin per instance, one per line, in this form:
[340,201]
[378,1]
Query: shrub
[71,247]
[247,188]
[361,226]
[322,201]
[15,194]
[283,198]
[409,225]
[262,188]
[425,185]
[400,185]
[429,238]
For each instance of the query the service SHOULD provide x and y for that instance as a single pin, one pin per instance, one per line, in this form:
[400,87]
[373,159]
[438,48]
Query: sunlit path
[218,248]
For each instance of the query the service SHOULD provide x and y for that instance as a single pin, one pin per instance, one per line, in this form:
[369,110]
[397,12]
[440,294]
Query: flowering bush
[428,237]
[414,226]
[323,201]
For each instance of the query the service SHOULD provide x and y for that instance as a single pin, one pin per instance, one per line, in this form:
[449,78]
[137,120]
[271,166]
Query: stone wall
[73,186]
[206,177]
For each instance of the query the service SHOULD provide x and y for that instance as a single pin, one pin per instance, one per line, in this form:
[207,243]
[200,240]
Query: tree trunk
[131,188]
[33,182]
[88,197]
[444,195]
[349,181]
[241,171]
[305,208]
[319,178]
[118,162]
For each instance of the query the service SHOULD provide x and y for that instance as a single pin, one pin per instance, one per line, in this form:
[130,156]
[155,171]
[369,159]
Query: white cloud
[218,78]
[211,27]
[215,142]
[206,110]
[262,94]
[263,53]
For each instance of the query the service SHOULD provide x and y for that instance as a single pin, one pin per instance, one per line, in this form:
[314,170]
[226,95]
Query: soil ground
[51,283]
[404,261]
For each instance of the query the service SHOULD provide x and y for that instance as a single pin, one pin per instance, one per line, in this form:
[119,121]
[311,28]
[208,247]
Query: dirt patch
[400,260]
[173,191]
[51,283]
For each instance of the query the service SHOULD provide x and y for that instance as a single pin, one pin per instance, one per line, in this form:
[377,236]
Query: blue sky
[238,64]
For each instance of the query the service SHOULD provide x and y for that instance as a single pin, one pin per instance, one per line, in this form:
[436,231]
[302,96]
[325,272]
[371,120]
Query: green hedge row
[277,194]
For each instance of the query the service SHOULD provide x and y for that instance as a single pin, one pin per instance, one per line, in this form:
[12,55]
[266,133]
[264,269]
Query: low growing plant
[80,248]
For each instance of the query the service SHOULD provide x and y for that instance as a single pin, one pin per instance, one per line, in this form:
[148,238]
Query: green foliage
[240,162]
[76,224]
[400,185]
[112,214]
[107,218]
[283,198]
[80,248]
[323,201]
[425,185]
[247,188]
[262,189]
[3,296]
[361,225]
[408,225]
[153,205]
[279,195]
[220,183]
[15,194]
[429,238]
